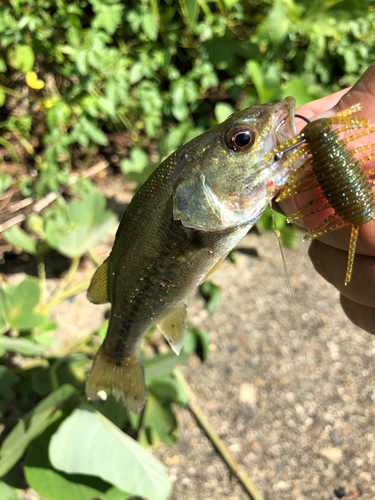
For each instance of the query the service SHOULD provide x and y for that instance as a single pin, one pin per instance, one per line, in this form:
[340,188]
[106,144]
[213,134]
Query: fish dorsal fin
[173,326]
[98,289]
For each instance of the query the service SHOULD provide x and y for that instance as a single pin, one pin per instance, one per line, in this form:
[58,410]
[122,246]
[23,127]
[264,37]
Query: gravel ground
[292,398]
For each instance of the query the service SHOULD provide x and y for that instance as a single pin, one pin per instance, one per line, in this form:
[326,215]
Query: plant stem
[71,347]
[94,259]
[215,439]
[66,294]
[42,277]
[59,294]
[11,92]
[89,154]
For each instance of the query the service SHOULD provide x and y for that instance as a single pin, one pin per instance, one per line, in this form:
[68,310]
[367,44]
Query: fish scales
[179,226]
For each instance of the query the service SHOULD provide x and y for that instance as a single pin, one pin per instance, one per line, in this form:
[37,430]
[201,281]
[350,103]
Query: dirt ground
[292,397]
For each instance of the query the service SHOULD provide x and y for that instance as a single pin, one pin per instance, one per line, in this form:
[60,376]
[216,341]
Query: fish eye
[240,138]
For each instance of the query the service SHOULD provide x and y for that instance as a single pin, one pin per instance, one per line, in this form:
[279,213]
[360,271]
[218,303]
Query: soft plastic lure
[320,159]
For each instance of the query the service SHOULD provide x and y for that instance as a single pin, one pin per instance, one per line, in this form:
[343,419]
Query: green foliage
[7,493]
[144,67]
[88,443]
[197,341]
[57,485]
[211,294]
[18,304]
[31,426]
[77,227]
[5,179]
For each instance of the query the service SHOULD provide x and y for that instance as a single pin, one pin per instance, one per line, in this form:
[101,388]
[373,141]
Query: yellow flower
[48,103]
[33,81]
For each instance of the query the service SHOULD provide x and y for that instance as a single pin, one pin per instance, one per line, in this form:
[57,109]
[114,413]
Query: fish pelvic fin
[124,379]
[98,289]
[173,327]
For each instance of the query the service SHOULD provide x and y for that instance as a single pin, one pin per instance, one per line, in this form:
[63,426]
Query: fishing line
[288,284]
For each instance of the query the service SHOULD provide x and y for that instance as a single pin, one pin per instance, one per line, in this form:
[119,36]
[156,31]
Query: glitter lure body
[321,159]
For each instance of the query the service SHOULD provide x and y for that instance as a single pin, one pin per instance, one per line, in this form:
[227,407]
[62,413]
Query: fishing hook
[280,154]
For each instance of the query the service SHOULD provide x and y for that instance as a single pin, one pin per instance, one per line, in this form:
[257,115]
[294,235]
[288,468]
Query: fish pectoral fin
[123,378]
[98,289]
[173,327]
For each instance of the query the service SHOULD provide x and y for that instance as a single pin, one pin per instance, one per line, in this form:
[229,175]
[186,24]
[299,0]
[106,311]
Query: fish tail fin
[123,378]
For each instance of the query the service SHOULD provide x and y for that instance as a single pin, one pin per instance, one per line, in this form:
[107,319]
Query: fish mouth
[284,120]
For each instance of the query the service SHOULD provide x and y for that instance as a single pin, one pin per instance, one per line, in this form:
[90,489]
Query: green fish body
[189,214]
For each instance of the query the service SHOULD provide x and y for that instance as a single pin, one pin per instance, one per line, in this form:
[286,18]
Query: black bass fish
[178,228]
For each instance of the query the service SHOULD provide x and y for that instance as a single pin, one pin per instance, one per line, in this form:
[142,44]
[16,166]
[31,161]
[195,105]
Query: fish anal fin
[98,289]
[173,326]
[123,379]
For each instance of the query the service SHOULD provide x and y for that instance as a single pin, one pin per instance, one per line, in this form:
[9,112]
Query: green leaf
[17,303]
[7,380]
[277,22]
[265,223]
[81,226]
[2,97]
[137,162]
[222,111]
[290,236]
[43,335]
[81,239]
[211,294]
[198,341]
[71,370]
[3,66]
[93,131]
[56,485]
[88,443]
[19,238]
[297,88]
[150,26]
[159,418]
[108,16]
[167,390]
[35,224]
[22,346]
[22,58]
[5,180]
[7,492]
[31,426]
[256,76]
[163,364]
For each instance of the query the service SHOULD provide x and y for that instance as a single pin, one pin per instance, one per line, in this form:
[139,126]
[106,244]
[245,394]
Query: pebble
[333,454]
[281,486]
[248,394]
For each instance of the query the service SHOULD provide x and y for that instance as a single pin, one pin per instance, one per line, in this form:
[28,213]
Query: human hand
[329,254]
